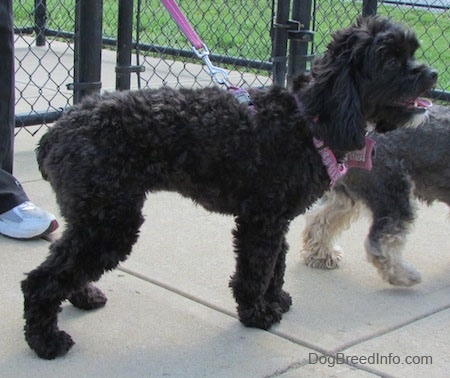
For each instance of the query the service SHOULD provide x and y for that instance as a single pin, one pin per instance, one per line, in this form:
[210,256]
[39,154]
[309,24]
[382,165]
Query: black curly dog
[104,155]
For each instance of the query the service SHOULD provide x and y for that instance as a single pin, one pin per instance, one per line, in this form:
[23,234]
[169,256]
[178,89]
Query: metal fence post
[299,38]
[124,68]
[369,8]
[40,21]
[280,38]
[88,48]
[124,42]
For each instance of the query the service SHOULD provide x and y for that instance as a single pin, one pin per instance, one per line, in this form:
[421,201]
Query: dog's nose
[431,74]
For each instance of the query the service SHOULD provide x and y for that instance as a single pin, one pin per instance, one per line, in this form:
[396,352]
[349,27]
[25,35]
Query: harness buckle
[219,75]
[241,95]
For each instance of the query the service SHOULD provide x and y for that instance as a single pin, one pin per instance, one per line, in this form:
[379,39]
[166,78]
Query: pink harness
[355,159]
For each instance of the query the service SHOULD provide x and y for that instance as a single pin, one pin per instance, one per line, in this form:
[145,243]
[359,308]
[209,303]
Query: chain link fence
[44,64]
[238,34]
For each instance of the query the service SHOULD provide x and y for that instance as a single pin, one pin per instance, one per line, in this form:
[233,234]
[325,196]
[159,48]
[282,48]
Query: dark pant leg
[11,192]
[6,86]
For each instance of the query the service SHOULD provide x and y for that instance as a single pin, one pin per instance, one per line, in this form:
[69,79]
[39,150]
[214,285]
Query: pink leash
[219,75]
[174,10]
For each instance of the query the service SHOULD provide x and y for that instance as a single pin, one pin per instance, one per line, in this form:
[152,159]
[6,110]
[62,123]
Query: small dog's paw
[285,301]
[397,274]
[50,346]
[329,259]
[88,298]
[260,316]
[282,299]
[402,275]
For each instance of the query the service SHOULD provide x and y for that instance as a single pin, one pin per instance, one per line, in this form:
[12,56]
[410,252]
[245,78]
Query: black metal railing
[286,45]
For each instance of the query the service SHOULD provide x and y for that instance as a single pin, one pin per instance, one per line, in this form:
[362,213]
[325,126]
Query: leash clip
[219,75]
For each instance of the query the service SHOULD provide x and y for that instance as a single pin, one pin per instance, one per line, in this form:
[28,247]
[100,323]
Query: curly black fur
[105,154]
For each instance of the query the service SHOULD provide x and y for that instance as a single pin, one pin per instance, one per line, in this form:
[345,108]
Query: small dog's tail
[41,152]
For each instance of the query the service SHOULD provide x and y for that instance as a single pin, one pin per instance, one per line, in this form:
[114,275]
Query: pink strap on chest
[335,170]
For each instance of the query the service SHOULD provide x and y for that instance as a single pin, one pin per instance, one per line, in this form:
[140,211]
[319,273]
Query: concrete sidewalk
[170,311]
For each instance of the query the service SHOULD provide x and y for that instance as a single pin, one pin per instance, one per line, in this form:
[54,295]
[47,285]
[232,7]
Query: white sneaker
[27,221]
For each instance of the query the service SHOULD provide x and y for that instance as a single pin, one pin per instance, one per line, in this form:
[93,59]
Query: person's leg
[20,218]
[6,86]
[11,192]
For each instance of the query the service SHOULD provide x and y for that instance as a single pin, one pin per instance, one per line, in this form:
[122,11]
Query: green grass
[241,28]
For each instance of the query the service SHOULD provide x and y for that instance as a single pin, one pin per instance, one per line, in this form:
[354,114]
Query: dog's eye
[399,53]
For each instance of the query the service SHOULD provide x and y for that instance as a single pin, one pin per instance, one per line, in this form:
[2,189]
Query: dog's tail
[42,151]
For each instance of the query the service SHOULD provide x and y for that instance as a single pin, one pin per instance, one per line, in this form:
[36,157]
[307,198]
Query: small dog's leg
[323,225]
[384,246]
[275,294]
[257,248]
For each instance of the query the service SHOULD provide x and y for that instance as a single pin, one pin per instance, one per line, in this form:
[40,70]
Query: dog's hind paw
[88,298]
[50,346]
[329,259]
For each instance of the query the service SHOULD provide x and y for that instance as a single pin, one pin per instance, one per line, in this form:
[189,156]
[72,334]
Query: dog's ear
[337,105]
[342,114]
[335,96]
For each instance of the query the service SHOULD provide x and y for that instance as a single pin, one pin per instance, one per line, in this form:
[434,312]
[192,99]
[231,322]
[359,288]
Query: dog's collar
[355,159]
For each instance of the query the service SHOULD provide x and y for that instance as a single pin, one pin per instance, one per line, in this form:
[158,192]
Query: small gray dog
[409,162]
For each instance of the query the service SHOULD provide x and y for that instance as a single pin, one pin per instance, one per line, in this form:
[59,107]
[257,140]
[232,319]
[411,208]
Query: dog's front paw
[328,259]
[398,273]
[50,346]
[88,298]
[260,315]
[282,298]
[402,275]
